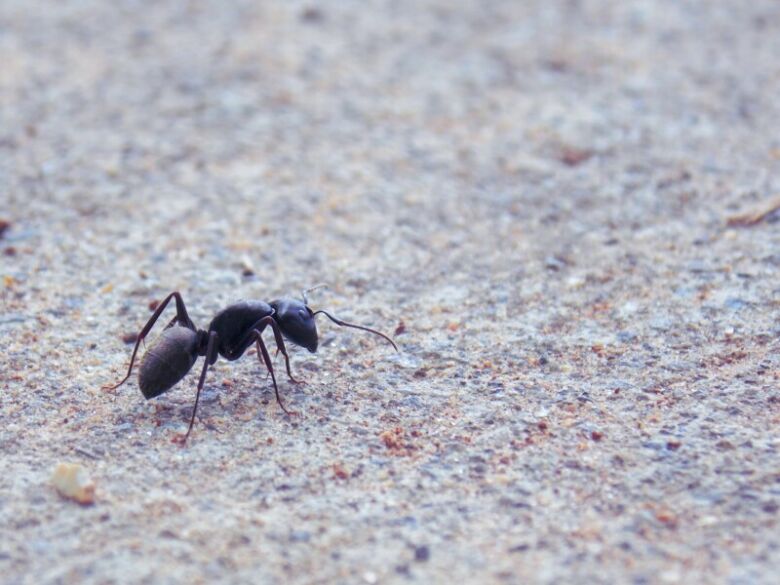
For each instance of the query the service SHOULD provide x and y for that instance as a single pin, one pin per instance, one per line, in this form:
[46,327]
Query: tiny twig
[754,217]
[86,452]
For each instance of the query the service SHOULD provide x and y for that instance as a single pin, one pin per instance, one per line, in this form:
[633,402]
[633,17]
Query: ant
[231,332]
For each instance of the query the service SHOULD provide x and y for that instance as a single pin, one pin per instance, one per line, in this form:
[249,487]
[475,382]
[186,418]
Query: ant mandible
[231,332]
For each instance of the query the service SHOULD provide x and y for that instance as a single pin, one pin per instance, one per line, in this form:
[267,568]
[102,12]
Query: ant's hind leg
[181,316]
[262,351]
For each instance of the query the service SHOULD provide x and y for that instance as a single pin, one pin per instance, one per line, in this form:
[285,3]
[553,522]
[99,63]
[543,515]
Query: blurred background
[536,198]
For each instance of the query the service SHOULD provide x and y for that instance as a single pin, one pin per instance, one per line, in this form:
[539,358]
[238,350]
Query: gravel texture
[532,197]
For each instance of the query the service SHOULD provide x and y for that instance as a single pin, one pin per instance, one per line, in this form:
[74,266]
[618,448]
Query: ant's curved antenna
[304,293]
[345,324]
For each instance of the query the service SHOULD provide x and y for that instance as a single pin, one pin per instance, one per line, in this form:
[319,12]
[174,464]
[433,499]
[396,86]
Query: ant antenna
[304,293]
[345,324]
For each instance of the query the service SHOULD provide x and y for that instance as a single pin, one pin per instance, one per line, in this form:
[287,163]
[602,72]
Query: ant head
[296,321]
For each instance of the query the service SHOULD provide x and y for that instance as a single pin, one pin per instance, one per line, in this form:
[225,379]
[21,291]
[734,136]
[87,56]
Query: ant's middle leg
[181,316]
[242,346]
[211,356]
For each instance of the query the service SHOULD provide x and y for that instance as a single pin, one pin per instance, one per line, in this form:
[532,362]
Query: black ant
[231,332]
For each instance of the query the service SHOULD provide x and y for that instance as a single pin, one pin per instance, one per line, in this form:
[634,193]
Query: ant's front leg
[280,347]
[262,351]
[181,316]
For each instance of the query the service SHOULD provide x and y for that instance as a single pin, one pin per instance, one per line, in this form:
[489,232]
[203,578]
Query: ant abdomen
[168,360]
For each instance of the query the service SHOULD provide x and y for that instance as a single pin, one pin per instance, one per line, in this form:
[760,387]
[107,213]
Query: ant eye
[302,314]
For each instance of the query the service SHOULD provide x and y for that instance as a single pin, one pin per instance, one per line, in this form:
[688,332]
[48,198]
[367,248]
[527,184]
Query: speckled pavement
[543,202]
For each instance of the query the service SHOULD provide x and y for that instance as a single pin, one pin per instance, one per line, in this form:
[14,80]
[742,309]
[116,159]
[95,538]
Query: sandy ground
[532,197]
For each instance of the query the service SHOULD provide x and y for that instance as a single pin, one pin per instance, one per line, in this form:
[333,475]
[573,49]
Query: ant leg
[172,322]
[259,326]
[280,347]
[276,355]
[181,315]
[269,365]
[211,354]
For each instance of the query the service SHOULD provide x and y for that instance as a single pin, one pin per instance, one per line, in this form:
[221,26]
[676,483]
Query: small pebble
[129,337]
[73,482]
[553,263]
[247,268]
[422,553]
[312,15]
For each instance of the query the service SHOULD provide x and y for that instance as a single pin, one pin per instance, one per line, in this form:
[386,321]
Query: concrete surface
[535,195]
